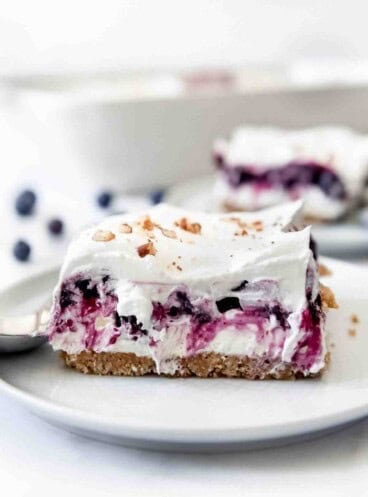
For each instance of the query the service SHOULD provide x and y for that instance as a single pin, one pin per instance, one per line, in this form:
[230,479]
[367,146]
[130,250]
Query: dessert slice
[192,294]
[261,167]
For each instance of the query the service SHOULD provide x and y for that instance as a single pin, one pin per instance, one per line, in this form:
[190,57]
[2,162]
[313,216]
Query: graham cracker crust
[208,365]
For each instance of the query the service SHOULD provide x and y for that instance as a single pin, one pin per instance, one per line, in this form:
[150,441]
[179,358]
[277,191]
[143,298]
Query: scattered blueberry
[55,226]
[104,199]
[22,250]
[156,196]
[25,203]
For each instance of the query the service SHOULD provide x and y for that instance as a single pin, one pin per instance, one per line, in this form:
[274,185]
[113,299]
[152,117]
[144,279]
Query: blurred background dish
[97,119]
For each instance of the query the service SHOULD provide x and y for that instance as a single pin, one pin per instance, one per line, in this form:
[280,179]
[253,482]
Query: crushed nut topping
[168,233]
[328,298]
[323,270]
[186,225]
[146,249]
[354,319]
[242,232]
[125,228]
[147,224]
[254,225]
[257,223]
[103,236]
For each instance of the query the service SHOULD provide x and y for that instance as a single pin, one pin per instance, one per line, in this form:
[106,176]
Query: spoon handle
[32,324]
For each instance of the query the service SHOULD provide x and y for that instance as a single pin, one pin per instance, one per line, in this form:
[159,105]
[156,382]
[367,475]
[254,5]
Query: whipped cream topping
[341,149]
[228,249]
[209,255]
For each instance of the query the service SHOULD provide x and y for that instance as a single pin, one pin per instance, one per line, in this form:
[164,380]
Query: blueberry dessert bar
[260,167]
[181,293]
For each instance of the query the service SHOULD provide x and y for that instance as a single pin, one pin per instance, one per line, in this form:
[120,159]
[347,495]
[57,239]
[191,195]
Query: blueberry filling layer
[86,308]
[292,176]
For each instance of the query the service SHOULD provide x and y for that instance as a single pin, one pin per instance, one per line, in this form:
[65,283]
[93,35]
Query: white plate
[348,238]
[198,414]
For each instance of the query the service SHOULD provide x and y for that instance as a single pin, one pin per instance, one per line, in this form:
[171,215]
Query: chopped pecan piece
[103,236]
[146,249]
[186,225]
[125,228]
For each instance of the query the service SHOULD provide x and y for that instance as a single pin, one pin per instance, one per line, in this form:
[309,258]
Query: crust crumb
[146,249]
[125,228]
[352,332]
[103,236]
[354,319]
[323,270]
[186,225]
[328,297]
[205,365]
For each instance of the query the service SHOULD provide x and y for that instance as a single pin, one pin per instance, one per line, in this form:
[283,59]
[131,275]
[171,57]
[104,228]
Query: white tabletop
[37,459]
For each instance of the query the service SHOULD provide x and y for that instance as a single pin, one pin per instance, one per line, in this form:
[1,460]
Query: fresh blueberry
[25,203]
[104,199]
[22,250]
[55,226]
[156,196]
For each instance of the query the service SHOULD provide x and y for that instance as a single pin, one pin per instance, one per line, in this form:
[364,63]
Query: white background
[83,35]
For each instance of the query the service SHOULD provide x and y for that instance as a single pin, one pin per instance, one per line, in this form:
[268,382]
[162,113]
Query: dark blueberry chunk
[55,226]
[117,320]
[135,327]
[185,304]
[315,309]
[106,278]
[218,159]
[22,250]
[240,287]
[156,196]
[228,303]
[66,298]
[280,314]
[88,293]
[25,203]
[203,317]
[104,199]
[173,311]
[313,247]
[245,176]
[132,320]
[290,176]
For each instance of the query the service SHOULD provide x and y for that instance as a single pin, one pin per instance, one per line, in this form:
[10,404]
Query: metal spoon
[18,334]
